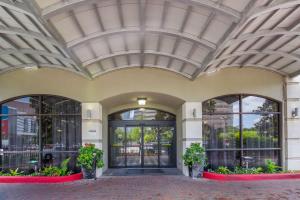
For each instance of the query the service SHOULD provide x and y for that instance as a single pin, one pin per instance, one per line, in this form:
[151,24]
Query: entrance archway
[142,138]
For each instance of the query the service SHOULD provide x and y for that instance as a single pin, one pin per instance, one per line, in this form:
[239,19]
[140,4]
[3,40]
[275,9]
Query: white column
[292,136]
[191,126]
[92,126]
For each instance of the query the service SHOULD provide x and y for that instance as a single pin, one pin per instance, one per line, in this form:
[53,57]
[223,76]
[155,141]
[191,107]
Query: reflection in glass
[258,104]
[56,120]
[133,148]
[223,158]
[142,114]
[226,104]
[260,131]
[226,145]
[117,142]
[150,146]
[221,131]
[167,147]
[22,106]
[259,157]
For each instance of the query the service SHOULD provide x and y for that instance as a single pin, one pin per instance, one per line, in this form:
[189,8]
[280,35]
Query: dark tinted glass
[259,157]
[226,104]
[223,158]
[59,105]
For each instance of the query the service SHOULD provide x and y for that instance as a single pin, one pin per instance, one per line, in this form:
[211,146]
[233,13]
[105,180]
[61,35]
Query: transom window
[240,127]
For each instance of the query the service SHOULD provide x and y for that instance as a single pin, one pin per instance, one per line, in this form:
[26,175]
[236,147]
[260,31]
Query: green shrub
[223,170]
[86,155]
[57,171]
[271,167]
[12,172]
[195,154]
[253,170]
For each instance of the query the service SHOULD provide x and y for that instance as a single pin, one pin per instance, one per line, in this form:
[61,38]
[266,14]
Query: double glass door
[142,145]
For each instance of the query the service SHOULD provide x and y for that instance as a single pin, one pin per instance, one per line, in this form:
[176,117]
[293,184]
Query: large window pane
[117,142]
[59,105]
[258,104]
[223,158]
[226,104]
[261,131]
[221,131]
[22,106]
[259,157]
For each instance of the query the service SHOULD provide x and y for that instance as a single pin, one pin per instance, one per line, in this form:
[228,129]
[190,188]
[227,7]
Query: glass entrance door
[150,146]
[134,146]
[142,138]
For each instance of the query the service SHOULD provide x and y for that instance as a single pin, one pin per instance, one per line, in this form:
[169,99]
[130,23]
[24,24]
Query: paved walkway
[153,187]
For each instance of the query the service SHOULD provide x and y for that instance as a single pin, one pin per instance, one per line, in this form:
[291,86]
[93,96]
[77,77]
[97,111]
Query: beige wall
[58,82]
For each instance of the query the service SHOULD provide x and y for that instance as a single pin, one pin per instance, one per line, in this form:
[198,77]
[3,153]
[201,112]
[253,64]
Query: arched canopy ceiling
[189,37]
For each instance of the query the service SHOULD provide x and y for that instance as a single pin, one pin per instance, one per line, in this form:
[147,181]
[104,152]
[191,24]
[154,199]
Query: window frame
[39,115]
[241,148]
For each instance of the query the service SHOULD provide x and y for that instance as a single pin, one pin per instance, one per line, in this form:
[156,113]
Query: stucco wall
[227,81]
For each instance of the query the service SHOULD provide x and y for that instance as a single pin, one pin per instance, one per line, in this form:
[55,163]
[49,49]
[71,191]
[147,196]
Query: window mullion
[241,129]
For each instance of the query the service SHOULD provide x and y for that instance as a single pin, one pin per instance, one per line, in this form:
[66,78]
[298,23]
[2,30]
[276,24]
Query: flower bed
[250,177]
[40,179]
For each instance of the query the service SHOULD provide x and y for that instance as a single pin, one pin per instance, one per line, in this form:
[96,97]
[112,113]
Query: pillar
[191,127]
[292,128]
[92,126]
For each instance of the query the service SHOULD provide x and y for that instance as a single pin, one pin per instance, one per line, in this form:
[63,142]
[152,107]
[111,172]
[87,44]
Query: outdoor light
[89,113]
[295,112]
[142,101]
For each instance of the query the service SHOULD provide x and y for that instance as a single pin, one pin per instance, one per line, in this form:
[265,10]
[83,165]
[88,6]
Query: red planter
[40,179]
[249,177]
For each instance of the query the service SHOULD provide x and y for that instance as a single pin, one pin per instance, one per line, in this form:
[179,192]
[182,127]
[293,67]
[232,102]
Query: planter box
[40,179]
[250,177]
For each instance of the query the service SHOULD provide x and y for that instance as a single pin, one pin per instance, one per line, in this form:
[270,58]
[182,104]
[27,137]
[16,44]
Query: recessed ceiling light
[32,67]
[142,101]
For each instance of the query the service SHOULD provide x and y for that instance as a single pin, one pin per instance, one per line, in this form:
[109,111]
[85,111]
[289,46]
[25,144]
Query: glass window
[259,104]
[230,135]
[54,122]
[142,114]
[226,104]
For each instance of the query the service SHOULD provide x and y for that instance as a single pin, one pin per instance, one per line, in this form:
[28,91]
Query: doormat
[144,171]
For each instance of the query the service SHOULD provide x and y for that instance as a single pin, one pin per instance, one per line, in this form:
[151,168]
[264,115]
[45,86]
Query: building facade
[73,72]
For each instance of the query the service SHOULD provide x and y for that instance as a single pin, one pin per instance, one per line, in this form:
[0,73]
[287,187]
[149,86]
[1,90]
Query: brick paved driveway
[153,187]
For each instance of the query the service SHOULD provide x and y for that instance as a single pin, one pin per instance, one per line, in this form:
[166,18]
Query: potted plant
[194,159]
[89,159]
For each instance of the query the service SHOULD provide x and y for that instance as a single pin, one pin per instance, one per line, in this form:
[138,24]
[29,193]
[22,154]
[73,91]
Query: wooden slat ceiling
[189,37]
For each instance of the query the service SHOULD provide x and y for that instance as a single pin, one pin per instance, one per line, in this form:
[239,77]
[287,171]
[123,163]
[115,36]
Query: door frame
[142,124]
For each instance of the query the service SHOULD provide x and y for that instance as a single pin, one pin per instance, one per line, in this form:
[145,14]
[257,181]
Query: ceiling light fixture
[142,101]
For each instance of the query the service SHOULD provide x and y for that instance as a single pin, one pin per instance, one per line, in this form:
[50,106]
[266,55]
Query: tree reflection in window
[237,126]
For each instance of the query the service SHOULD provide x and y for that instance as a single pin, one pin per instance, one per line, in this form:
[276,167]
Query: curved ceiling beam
[138,66]
[25,12]
[30,34]
[256,66]
[51,66]
[211,5]
[263,10]
[251,52]
[263,33]
[64,6]
[132,52]
[209,45]
[35,52]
